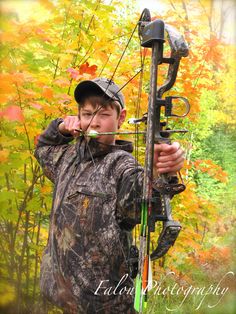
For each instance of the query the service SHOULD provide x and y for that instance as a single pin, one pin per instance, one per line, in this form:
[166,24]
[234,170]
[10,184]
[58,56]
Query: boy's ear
[121,117]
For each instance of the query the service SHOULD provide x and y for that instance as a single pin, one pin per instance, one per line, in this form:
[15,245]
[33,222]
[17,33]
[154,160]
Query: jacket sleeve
[51,148]
[129,190]
[129,193]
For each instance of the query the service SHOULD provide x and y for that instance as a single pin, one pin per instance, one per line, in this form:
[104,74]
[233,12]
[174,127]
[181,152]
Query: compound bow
[152,34]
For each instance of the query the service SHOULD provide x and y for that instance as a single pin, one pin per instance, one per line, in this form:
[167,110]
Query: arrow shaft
[95,134]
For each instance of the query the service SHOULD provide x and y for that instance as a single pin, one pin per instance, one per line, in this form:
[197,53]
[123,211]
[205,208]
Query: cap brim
[86,87]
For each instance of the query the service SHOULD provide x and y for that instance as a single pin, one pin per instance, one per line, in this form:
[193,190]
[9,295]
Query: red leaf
[85,68]
[13,113]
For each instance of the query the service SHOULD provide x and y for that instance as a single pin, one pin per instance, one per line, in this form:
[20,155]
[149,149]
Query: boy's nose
[95,122]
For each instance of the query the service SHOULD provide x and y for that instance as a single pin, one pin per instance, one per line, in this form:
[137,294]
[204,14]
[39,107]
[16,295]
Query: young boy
[93,213]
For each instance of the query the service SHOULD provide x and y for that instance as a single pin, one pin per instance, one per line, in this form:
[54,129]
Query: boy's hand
[168,158]
[68,126]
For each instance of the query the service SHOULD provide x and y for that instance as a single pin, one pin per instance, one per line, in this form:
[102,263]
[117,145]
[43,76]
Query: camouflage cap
[108,87]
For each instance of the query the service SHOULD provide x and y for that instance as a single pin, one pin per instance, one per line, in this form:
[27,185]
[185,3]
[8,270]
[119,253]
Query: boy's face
[101,119]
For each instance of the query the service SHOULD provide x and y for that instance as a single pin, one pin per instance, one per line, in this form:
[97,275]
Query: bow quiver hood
[102,86]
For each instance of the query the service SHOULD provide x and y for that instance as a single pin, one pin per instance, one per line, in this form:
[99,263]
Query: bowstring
[136,145]
[123,53]
[112,76]
[114,72]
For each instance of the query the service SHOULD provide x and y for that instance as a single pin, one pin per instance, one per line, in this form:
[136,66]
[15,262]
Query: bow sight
[153,35]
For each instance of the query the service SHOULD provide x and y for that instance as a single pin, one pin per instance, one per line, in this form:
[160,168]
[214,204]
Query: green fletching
[145,305]
[138,291]
[143,224]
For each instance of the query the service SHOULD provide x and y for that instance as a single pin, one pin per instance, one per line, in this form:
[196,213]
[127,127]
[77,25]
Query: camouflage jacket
[92,216]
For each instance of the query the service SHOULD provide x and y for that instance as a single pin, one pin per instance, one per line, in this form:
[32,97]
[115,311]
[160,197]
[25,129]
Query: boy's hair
[100,100]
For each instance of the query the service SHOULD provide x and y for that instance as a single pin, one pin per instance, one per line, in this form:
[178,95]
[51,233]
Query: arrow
[94,134]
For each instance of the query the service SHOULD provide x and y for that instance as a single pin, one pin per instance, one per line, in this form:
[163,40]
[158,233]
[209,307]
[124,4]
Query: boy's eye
[90,114]
[87,114]
[104,113]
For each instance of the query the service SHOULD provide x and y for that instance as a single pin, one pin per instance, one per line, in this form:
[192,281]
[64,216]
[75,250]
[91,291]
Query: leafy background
[45,52]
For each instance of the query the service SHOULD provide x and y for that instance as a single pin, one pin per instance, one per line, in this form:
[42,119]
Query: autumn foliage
[43,57]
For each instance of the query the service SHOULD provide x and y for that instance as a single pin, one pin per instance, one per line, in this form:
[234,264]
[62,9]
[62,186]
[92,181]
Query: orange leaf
[47,92]
[212,169]
[64,99]
[146,52]
[46,189]
[62,82]
[36,138]
[4,155]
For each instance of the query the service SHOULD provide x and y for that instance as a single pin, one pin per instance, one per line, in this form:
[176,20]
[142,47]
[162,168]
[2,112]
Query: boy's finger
[169,157]
[170,163]
[170,148]
[166,148]
[77,124]
[175,168]
[71,125]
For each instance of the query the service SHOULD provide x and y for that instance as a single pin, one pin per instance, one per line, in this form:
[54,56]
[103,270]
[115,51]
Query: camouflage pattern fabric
[92,216]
